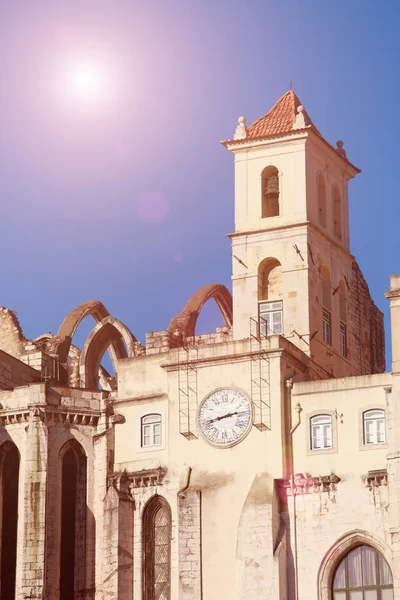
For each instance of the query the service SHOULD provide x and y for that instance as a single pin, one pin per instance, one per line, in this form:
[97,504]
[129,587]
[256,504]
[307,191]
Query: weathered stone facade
[120,493]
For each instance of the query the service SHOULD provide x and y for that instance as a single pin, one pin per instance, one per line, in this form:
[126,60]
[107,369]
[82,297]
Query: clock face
[225,417]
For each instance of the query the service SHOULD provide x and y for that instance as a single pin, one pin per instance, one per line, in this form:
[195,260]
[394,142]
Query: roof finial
[299,122]
[340,150]
[291,87]
[241,129]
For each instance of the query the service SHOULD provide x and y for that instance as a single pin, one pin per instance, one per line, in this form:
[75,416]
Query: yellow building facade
[258,461]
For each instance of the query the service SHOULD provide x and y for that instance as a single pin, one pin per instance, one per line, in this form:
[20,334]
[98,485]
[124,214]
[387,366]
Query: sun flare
[87,86]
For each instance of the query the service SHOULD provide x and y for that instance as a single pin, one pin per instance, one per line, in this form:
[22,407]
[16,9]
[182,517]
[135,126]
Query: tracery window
[157,550]
[363,574]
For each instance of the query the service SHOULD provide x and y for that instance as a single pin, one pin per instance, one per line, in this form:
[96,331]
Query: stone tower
[293,273]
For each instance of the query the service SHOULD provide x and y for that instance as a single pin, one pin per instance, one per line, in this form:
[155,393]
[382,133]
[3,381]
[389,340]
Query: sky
[126,196]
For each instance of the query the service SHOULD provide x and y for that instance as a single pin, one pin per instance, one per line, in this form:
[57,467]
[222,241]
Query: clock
[225,417]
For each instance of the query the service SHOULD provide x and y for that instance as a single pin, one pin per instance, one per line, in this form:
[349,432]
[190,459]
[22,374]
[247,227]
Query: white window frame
[343,339]
[267,313]
[139,430]
[374,427]
[321,428]
[327,326]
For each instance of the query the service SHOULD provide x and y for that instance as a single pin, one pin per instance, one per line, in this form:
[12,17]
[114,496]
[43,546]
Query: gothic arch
[108,332]
[71,322]
[184,324]
[73,519]
[340,548]
[156,532]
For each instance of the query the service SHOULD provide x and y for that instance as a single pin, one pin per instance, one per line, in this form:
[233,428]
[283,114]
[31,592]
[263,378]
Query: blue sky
[129,203]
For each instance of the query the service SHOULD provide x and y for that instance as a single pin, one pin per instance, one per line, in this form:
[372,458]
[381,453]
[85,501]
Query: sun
[87,85]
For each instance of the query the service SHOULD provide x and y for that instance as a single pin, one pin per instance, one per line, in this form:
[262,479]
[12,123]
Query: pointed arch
[9,473]
[68,327]
[157,524]
[108,332]
[73,516]
[184,324]
[339,550]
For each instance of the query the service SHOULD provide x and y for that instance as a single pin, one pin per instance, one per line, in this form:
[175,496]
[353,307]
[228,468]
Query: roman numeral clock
[225,417]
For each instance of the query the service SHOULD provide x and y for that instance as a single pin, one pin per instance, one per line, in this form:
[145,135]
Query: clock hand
[223,417]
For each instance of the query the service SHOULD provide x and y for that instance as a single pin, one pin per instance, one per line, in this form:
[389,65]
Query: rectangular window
[321,432]
[343,339]
[270,318]
[326,326]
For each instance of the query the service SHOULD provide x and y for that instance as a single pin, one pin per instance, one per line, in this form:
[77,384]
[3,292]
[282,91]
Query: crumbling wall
[366,330]
[12,340]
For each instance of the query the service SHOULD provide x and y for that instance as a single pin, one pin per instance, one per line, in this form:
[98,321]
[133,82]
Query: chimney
[393,296]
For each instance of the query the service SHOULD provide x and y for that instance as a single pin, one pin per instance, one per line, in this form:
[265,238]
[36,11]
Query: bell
[272,187]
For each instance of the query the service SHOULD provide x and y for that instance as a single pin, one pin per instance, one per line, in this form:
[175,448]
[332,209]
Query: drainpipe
[181,493]
[298,409]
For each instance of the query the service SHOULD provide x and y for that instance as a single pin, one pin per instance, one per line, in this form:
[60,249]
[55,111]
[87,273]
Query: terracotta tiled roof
[279,119]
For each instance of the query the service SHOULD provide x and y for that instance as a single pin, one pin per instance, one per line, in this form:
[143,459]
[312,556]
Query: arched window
[321,432]
[374,427]
[343,318]
[151,430]
[73,520]
[337,213]
[157,550]
[363,574]
[321,200]
[326,306]
[270,192]
[9,457]
[269,297]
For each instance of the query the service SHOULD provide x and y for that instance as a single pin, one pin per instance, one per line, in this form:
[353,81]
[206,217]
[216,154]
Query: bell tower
[292,270]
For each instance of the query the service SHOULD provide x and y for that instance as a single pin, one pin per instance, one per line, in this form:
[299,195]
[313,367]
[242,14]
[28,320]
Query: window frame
[271,311]
[334,432]
[347,589]
[343,339]
[375,420]
[152,507]
[361,411]
[139,429]
[328,322]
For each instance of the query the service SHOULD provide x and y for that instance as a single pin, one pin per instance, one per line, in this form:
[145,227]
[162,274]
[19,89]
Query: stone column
[190,575]
[32,583]
[118,537]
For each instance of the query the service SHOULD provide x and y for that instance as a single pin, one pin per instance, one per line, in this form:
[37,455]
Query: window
[151,430]
[270,192]
[269,280]
[343,318]
[337,213]
[374,427]
[321,432]
[363,574]
[157,549]
[326,326]
[270,318]
[343,339]
[321,200]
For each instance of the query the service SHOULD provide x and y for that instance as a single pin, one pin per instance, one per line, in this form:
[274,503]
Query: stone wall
[366,328]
